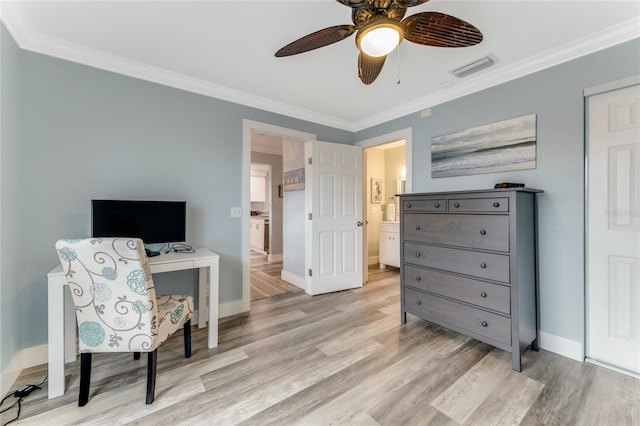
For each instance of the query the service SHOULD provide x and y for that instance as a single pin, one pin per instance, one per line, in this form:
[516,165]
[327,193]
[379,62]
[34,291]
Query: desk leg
[70,327]
[56,336]
[213,302]
[202,297]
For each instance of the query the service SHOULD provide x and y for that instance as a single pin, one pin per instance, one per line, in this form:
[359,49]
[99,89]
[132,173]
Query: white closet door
[613,251]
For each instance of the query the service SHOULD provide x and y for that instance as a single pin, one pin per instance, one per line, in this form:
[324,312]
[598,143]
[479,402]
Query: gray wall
[71,133]
[275,224]
[293,214]
[11,314]
[87,133]
[556,96]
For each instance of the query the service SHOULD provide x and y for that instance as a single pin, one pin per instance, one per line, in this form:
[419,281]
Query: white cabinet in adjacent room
[389,248]
[258,189]
[259,235]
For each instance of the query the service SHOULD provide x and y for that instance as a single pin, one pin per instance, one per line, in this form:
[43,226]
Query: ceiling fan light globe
[380,41]
[380,37]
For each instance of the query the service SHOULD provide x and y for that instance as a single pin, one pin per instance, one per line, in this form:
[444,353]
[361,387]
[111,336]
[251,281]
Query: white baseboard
[562,346]
[373,260]
[231,308]
[11,373]
[275,257]
[35,355]
[294,279]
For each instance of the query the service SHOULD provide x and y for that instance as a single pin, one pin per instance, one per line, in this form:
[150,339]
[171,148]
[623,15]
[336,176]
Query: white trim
[611,36]
[292,278]
[612,367]
[231,308]
[11,373]
[28,39]
[372,260]
[275,257]
[407,135]
[612,85]
[562,346]
[35,355]
[269,129]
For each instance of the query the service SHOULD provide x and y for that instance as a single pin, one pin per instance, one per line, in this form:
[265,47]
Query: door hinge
[310,160]
[310,272]
[310,216]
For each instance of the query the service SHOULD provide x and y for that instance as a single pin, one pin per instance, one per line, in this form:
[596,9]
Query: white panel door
[613,253]
[333,189]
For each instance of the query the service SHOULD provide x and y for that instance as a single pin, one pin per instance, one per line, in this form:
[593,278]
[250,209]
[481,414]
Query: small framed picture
[376,190]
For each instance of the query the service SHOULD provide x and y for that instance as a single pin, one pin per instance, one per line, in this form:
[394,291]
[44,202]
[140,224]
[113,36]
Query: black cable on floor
[20,393]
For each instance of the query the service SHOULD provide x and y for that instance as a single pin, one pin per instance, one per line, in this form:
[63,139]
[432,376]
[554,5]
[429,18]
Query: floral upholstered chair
[116,305]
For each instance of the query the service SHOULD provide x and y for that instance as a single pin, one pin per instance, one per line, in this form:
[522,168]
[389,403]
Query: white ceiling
[226,49]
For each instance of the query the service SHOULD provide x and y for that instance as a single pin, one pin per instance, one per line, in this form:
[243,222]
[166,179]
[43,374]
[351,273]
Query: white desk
[62,318]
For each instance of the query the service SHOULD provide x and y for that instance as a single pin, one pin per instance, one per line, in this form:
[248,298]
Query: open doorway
[264,263]
[387,173]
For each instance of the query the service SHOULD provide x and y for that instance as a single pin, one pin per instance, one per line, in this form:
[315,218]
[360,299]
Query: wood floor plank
[342,358]
[613,399]
[463,398]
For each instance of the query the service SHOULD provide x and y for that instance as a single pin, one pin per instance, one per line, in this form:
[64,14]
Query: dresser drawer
[425,205]
[487,232]
[447,312]
[479,205]
[487,295]
[475,263]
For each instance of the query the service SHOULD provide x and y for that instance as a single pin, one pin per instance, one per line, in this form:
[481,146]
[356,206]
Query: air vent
[474,66]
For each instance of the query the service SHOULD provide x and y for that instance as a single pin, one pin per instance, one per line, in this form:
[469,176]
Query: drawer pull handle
[419,302]
[418,254]
[483,232]
[408,205]
[483,265]
[418,278]
[436,205]
[417,227]
[484,323]
[483,294]
[456,205]
[496,204]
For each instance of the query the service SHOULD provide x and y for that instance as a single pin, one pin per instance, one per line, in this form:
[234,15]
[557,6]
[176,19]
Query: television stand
[151,253]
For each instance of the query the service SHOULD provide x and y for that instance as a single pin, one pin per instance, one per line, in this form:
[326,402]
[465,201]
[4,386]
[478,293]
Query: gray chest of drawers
[469,264]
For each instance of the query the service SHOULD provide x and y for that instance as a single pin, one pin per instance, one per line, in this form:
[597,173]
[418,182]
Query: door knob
[359,223]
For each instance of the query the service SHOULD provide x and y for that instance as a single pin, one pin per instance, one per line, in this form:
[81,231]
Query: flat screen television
[152,221]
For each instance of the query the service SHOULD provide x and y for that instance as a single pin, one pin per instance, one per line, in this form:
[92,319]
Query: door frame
[588,92]
[407,135]
[249,126]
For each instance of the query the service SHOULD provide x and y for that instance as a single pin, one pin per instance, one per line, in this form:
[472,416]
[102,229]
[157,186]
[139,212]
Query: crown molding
[30,40]
[611,36]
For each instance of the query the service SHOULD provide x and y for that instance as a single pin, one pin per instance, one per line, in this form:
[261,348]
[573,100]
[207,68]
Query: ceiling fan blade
[410,3]
[316,40]
[369,67]
[353,3]
[440,30]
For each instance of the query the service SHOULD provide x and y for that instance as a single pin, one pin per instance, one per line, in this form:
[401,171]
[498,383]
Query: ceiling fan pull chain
[398,80]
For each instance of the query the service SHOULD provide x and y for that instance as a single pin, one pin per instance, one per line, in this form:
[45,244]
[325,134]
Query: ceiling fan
[380,29]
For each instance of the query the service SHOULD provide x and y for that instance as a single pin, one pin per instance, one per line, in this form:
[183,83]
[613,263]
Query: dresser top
[474,191]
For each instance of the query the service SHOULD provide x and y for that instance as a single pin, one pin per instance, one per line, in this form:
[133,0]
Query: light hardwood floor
[265,278]
[340,359]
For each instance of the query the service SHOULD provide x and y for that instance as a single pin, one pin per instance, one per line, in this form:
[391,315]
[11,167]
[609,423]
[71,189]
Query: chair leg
[151,375]
[85,378]
[187,339]
[136,355]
